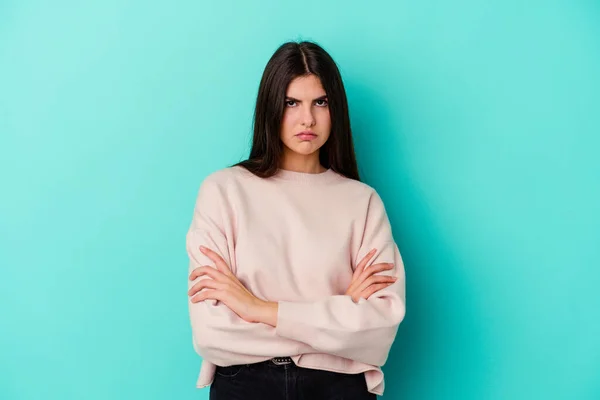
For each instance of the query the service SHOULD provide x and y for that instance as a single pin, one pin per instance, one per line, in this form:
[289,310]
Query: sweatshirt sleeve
[218,334]
[362,331]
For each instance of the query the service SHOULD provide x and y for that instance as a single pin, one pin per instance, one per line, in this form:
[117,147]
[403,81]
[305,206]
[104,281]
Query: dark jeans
[267,381]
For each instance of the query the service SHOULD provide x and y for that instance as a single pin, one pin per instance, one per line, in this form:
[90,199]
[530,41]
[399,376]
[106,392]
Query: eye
[290,103]
[321,103]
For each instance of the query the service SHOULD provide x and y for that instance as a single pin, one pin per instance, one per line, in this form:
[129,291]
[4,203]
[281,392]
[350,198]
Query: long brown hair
[291,60]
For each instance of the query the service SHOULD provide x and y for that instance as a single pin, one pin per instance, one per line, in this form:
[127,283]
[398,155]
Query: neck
[300,163]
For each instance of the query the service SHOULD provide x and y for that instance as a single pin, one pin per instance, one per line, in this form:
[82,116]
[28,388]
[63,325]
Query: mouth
[307,135]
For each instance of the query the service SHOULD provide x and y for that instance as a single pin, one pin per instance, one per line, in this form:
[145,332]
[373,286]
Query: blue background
[477,121]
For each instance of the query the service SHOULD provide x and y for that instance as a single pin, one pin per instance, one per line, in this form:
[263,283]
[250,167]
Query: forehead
[305,86]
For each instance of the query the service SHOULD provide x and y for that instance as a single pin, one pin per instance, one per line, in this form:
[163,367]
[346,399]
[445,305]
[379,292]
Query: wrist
[267,312]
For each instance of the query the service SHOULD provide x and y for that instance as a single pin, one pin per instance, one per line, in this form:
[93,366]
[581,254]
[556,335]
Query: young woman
[296,285]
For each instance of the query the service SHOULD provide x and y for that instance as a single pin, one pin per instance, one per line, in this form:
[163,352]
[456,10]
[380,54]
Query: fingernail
[391,264]
[202,248]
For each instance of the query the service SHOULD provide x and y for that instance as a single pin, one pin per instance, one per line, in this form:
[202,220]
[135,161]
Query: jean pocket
[230,371]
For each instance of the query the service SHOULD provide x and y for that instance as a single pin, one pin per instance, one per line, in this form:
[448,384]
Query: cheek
[287,122]
[325,119]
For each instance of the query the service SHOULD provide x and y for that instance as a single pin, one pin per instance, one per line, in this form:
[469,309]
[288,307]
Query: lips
[306,135]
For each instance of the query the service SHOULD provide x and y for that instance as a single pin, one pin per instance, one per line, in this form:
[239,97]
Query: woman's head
[301,90]
[306,120]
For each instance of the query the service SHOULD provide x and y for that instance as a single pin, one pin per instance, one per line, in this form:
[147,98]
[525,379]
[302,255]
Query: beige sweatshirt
[295,238]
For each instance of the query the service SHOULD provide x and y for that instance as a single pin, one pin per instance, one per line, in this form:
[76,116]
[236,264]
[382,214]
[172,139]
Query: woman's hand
[365,282]
[224,286]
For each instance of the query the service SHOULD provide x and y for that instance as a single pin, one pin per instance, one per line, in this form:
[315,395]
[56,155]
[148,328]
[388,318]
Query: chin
[306,151]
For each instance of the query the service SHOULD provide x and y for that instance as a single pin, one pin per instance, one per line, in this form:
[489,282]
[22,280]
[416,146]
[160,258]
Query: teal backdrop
[477,121]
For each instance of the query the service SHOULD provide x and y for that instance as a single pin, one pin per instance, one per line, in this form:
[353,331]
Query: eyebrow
[324,97]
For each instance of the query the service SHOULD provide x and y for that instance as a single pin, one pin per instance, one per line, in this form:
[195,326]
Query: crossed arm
[229,322]
[224,286]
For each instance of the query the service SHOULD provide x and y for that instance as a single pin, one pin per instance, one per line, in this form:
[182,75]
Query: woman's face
[306,110]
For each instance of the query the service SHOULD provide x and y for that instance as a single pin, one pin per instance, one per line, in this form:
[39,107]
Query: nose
[307,117]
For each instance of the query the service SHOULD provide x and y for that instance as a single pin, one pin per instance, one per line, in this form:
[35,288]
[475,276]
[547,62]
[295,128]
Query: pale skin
[306,109]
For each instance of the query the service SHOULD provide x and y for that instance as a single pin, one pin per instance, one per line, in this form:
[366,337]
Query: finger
[375,279]
[375,268]
[373,289]
[370,271]
[206,270]
[207,294]
[217,259]
[361,266]
[204,284]
[358,270]
[370,281]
